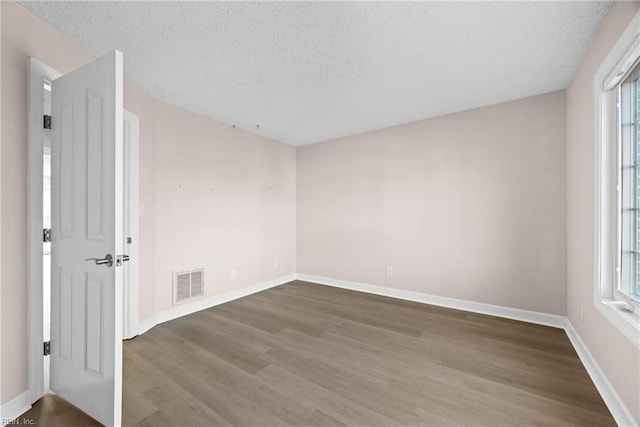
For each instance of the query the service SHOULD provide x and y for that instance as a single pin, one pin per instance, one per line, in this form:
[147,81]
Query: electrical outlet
[233,274]
[389,271]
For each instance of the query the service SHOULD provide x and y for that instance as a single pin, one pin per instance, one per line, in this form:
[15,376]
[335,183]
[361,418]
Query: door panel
[86,190]
[66,170]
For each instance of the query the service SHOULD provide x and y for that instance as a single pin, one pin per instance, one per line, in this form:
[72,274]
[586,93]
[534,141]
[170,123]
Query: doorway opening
[46,241]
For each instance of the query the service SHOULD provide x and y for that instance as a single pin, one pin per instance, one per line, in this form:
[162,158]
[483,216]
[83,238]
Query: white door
[86,219]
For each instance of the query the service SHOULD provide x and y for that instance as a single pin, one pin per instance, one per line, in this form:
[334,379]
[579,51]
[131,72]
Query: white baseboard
[147,324]
[14,408]
[617,408]
[207,302]
[475,307]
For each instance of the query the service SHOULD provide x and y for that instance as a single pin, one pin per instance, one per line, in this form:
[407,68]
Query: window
[617,101]
[629,194]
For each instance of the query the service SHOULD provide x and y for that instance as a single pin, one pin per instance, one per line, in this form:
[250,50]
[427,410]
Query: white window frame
[620,310]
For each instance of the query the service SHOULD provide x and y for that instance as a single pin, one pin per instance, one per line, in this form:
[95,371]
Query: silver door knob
[107,260]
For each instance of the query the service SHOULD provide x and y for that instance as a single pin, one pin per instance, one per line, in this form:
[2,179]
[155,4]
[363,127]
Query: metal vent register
[188,285]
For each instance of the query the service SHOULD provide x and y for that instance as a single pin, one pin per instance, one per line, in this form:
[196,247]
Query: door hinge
[46,235]
[47,121]
[47,348]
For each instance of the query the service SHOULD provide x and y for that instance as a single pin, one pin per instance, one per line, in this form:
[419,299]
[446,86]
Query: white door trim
[131,276]
[37,74]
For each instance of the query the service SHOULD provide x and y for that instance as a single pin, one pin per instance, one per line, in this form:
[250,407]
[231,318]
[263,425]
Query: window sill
[625,321]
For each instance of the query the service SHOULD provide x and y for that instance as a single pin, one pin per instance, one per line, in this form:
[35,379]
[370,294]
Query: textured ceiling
[311,71]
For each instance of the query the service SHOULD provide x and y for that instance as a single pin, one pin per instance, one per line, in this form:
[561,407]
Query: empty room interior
[320,213]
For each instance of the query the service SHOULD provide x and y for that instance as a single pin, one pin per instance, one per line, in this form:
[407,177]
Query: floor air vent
[188,285]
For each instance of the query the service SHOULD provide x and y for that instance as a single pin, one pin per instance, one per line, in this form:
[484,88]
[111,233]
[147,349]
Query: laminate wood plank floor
[303,354]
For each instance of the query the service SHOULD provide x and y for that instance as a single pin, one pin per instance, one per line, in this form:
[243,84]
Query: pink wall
[230,162]
[225,199]
[469,205]
[616,355]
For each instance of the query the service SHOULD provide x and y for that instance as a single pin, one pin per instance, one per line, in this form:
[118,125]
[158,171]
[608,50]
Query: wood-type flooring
[303,354]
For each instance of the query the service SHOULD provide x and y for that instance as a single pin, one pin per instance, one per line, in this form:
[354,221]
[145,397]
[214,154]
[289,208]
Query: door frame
[38,72]
[131,149]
